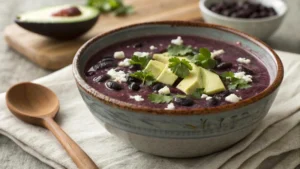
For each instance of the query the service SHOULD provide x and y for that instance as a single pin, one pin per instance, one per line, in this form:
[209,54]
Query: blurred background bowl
[259,27]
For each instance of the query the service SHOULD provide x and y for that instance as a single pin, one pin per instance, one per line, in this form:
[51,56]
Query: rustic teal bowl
[178,133]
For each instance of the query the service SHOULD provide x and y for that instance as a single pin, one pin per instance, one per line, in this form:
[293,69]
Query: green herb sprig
[142,61]
[233,82]
[180,50]
[160,98]
[115,6]
[198,93]
[203,59]
[145,76]
[180,67]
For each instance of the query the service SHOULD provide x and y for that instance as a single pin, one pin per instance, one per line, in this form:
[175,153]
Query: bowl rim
[204,9]
[81,83]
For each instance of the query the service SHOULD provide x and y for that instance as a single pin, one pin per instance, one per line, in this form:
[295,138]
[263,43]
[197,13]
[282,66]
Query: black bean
[213,101]
[234,15]
[157,86]
[90,73]
[107,64]
[183,101]
[135,67]
[226,12]
[224,65]
[254,15]
[107,59]
[218,59]
[101,78]
[130,79]
[113,85]
[246,70]
[134,86]
[138,45]
[97,66]
[224,94]
[263,14]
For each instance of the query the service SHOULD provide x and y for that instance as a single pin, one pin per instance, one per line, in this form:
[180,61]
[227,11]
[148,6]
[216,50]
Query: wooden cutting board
[54,54]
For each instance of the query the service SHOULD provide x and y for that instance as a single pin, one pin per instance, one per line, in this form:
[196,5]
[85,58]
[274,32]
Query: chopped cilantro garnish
[159,98]
[145,76]
[180,96]
[233,82]
[203,59]
[179,50]
[106,6]
[198,93]
[136,60]
[180,67]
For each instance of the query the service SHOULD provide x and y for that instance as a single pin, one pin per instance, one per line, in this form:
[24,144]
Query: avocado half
[43,21]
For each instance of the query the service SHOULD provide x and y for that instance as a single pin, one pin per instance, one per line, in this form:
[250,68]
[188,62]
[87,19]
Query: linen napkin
[275,143]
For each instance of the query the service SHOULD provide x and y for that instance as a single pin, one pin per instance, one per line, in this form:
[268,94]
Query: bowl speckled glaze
[261,28]
[178,133]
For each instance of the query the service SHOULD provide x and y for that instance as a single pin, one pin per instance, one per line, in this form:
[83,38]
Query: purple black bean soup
[176,72]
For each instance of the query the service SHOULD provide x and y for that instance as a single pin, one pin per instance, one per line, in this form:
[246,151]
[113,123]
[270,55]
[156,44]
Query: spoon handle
[80,158]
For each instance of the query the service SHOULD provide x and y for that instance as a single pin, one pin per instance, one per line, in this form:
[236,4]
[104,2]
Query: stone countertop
[15,68]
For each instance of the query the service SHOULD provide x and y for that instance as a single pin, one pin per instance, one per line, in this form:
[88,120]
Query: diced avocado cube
[212,82]
[162,57]
[155,67]
[167,76]
[193,81]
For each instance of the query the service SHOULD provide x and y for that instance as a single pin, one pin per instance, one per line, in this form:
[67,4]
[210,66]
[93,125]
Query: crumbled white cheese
[217,53]
[141,54]
[164,90]
[239,43]
[204,96]
[170,106]
[119,76]
[242,75]
[232,98]
[137,98]
[119,55]
[125,62]
[160,44]
[208,98]
[243,60]
[128,46]
[153,47]
[177,41]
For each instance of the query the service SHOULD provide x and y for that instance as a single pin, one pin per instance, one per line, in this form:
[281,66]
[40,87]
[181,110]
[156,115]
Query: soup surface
[176,72]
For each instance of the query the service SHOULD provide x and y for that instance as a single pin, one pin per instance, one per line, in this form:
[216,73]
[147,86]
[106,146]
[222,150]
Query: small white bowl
[259,27]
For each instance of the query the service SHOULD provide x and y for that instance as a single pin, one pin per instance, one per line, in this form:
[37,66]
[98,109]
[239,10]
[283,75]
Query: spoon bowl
[38,105]
[32,107]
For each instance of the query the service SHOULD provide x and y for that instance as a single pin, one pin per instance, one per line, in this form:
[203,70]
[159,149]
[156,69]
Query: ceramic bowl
[261,28]
[178,133]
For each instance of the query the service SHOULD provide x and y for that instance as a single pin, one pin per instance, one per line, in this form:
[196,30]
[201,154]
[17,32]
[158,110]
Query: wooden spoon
[38,105]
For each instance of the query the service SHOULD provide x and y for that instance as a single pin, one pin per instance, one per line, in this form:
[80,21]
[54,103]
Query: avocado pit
[68,12]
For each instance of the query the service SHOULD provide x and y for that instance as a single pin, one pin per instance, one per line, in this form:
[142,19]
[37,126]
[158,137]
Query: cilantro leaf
[160,98]
[145,76]
[180,67]
[124,10]
[106,6]
[234,83]
[136,60]
[180,96]
[198,93]
[203,59]
[180,50]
